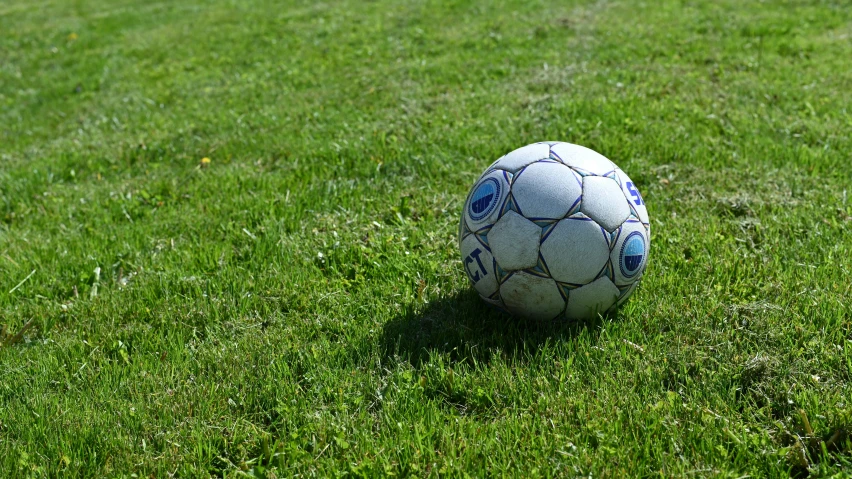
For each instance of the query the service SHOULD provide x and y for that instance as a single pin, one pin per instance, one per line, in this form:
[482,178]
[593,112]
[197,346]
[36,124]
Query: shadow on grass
[466,329]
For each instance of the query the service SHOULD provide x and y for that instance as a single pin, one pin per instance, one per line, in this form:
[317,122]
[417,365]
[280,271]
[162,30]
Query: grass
[296,306]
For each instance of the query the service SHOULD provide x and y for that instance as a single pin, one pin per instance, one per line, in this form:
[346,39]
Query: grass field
[294,304]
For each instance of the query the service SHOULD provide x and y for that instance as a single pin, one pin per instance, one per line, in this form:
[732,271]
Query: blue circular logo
[484,199]
[632,254]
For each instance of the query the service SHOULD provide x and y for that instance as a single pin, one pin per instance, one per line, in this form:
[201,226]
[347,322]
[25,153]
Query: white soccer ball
[554,230]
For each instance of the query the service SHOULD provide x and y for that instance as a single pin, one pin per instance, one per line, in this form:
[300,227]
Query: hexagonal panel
[575,251]
[495,302]
[522,157]
[514,241]
[582,158]
[478,263]
[592,299]
[625,295]
[532,297]
[485,200]
[463,231]
[604,202]
[546,190]
[630,253]
[634,198]
[494,165]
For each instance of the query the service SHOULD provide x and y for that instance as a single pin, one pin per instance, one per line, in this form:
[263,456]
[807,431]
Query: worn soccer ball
[554,230]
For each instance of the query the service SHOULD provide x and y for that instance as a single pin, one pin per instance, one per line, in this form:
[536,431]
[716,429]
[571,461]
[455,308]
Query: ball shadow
[466,329]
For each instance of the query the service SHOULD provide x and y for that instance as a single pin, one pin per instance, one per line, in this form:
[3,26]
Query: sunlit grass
[231,229]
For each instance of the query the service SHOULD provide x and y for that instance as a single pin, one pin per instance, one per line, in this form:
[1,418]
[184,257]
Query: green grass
[298,306]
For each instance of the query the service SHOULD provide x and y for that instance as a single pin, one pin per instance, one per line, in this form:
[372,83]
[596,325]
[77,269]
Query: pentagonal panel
[532,297]
[514,241]
[487,196]
[630,253]
[592,299]
[522,157]
[637,203]
[582,158]
[575,251]
[604,202]
[478,263]
[546,190]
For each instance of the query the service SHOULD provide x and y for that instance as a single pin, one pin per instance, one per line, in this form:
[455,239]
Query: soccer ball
[554,230]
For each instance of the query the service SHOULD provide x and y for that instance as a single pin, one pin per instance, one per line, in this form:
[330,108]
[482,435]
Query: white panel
[582,158]
[546,190]
[487,196]
[592,299]
[514,241]
[626,295]
[630,253]
[522,157]
[479,266]
[631,192]
[575,251]
[604,202]
[532,297]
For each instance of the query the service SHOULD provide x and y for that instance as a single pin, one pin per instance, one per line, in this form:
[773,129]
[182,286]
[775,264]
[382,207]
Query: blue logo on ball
[484,199]
[632,254]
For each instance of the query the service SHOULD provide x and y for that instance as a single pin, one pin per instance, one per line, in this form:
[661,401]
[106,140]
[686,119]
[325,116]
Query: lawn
[230,227]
